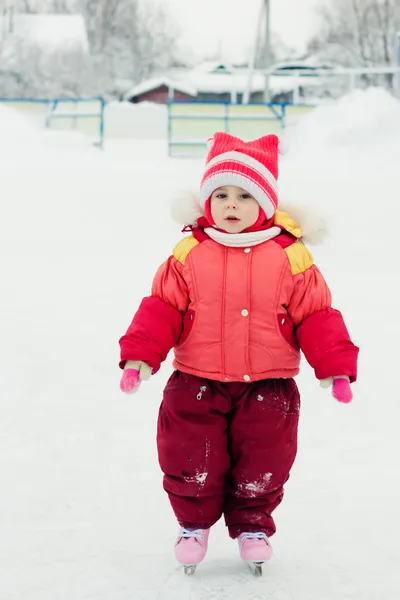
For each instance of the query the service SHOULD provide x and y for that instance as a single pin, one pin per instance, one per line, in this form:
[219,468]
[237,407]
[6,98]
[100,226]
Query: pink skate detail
[341,390]
[191,546]
[254,547]
[130,381]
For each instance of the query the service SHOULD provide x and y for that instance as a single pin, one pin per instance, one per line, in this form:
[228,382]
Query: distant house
[221,82]
[161,90]
[209,82]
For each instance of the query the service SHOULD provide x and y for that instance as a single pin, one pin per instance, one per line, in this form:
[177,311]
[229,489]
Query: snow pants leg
[262,446]
[192,440]
[227,448]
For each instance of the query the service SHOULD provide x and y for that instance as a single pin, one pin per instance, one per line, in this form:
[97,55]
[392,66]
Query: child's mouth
[232,219]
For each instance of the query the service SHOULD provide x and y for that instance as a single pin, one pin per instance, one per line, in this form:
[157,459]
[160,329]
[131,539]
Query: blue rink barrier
[83,114]
[190,124]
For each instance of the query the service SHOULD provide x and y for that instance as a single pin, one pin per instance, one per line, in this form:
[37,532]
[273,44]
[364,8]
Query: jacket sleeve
[320,329]
[157,324]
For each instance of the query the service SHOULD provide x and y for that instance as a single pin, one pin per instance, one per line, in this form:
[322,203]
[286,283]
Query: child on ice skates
[238,300]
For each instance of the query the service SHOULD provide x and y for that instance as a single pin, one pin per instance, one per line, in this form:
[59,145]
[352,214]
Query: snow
[82,510]
[343,123]
[145,120]
[255,488]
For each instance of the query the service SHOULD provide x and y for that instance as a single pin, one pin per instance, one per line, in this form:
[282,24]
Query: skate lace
[191,533]
[254,535]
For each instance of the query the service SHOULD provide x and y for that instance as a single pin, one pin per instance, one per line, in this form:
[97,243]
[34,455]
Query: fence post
[169,116]
[283,117]
[226,117]
[397,63]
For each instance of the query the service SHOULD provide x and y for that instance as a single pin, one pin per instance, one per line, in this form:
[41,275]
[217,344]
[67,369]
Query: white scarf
[242,240]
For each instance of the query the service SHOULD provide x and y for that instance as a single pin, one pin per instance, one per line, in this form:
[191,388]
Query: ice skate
[191,548]
[255,549]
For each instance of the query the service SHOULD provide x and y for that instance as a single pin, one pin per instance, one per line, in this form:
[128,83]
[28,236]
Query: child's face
[233,209]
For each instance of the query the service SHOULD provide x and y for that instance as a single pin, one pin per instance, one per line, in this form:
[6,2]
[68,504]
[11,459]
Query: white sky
[231,24]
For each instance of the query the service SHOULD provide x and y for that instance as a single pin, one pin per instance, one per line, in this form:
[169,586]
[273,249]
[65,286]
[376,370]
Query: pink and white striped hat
[252,166]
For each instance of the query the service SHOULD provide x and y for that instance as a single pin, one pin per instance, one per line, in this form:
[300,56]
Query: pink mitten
[341,390]
[135,371]
[130,381]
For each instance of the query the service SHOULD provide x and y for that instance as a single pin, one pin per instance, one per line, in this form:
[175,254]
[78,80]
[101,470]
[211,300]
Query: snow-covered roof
[197,81]
[157,82]
[220,83]
[46,30]
[300,65]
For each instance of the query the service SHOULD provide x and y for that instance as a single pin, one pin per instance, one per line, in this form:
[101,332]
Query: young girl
[237,300]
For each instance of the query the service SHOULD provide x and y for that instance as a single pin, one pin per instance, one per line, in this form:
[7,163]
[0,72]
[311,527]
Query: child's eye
[221,196]
[246,196]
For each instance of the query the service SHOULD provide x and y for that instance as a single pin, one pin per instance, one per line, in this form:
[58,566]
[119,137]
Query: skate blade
[256,568]
[189,569]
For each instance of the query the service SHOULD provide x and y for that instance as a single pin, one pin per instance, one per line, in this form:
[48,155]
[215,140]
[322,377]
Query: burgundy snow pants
[227,449]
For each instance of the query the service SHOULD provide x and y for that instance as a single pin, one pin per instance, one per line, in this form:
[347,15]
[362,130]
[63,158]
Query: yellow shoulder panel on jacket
[183,248]
[284,220]
[299,257]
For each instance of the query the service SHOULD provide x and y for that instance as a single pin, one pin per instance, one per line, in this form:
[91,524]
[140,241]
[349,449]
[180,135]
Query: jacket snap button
[246,377]
[247,250]
[245,313]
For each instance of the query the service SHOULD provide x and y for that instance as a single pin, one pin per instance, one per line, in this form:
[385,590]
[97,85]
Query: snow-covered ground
[82,511]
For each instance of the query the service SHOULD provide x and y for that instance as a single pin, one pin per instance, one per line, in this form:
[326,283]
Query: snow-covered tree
[128,41]
[128,38]
[357,33]
[31,7]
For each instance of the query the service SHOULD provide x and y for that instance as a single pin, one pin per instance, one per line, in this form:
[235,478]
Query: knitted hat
[252,166]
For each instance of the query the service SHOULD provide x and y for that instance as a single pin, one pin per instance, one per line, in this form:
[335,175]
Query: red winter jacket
[241,314]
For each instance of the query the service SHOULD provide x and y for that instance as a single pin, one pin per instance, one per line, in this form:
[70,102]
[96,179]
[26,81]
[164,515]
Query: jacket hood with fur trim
[301,222]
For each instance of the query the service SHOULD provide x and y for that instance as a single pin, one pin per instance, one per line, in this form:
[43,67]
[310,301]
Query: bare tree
[128,41]
[63,7]
[148,37]
[41,6]
[358,32]
[101,21]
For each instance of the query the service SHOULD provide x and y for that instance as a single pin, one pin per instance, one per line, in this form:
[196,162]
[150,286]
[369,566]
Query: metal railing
[191,123]
[69,110]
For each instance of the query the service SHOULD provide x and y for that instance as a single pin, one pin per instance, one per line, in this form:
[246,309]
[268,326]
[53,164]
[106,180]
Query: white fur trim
[312,223]
[185,208]
[283,147]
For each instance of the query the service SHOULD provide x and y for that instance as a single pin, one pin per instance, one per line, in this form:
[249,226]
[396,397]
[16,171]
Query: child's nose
[231,203]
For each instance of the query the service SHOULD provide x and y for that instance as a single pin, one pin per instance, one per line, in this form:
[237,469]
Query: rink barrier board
[65,114]
[190,124]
